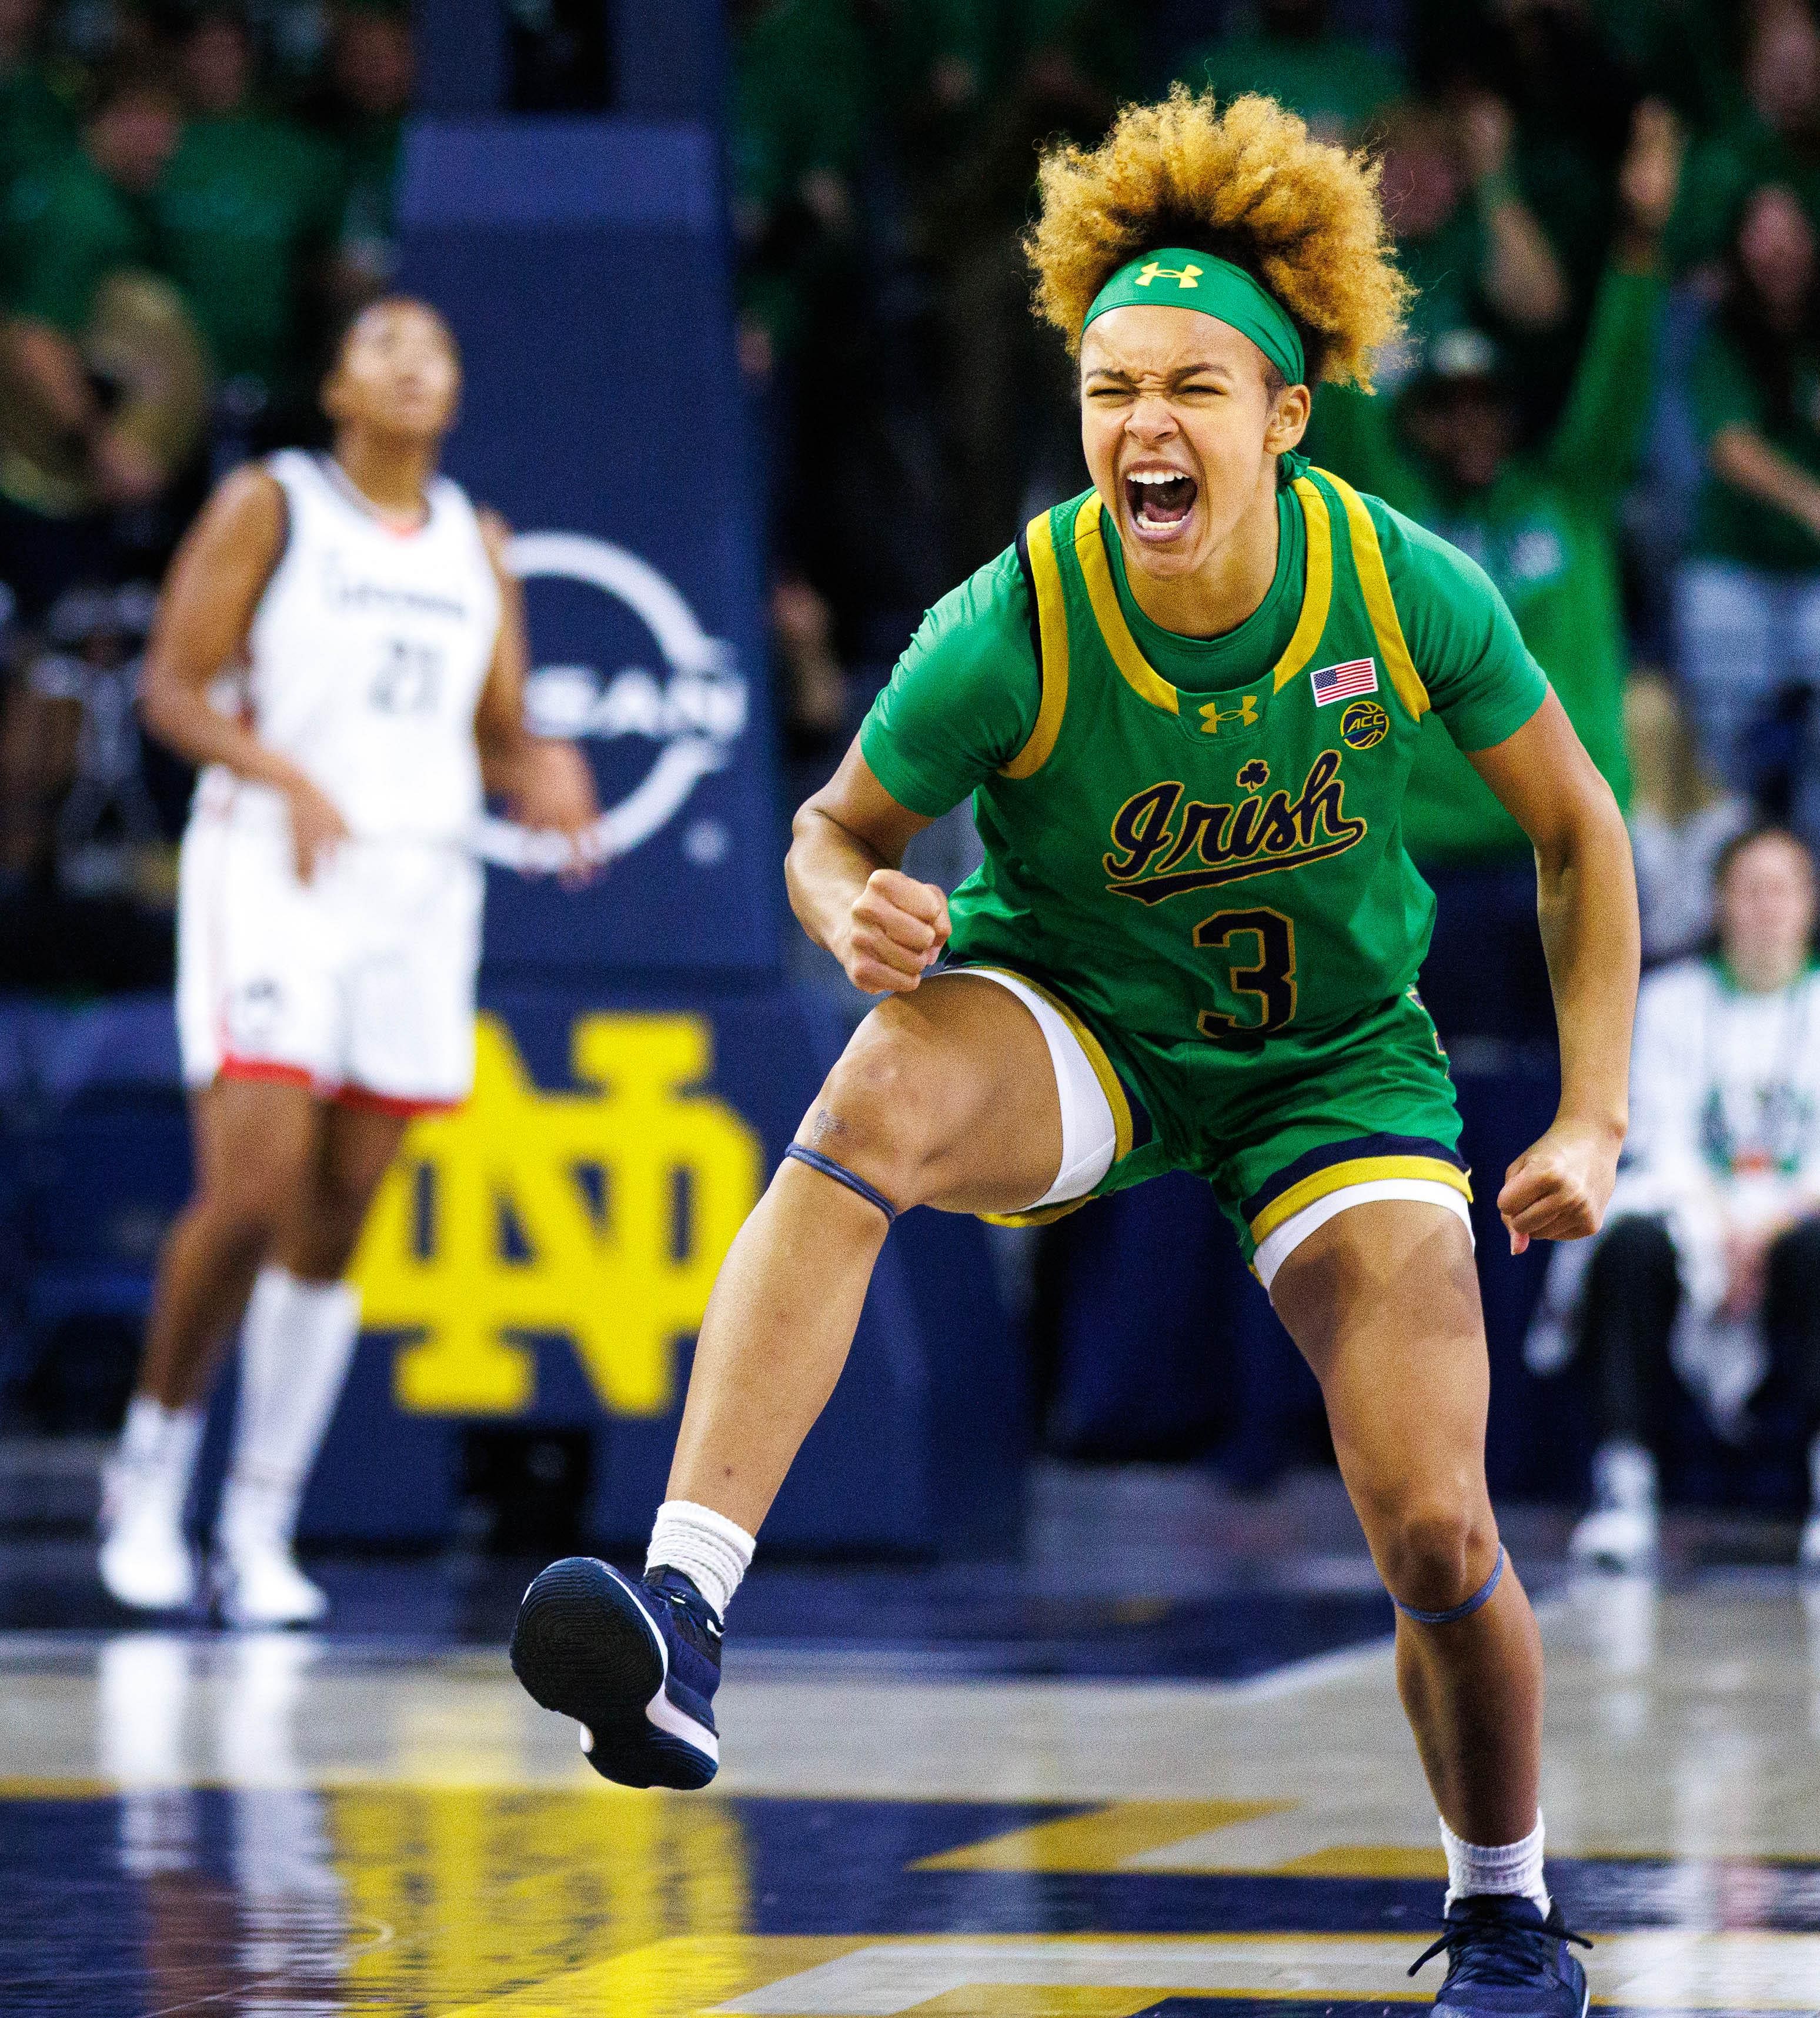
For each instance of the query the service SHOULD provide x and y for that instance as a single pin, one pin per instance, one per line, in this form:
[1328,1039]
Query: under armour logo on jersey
[1245,714]
[1184,277]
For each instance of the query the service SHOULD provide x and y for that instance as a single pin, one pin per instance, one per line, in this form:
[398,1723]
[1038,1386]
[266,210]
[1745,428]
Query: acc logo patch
[1364,725]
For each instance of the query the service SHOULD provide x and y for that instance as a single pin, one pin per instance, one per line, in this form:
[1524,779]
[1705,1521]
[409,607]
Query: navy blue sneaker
[1505,1960]
[635,1664]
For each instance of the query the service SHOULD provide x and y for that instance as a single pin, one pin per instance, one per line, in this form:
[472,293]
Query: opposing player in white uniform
[340,646]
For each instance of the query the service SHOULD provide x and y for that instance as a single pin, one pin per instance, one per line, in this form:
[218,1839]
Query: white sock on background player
[1508,1868]
[705,1545]
[145,1560]
[296,1346]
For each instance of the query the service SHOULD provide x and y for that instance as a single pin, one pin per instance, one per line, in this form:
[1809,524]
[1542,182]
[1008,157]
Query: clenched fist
[1559,1187]
[895,933]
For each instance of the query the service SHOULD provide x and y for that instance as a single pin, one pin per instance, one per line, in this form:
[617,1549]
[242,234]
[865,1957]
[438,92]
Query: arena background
[725,378]
[1062,1686]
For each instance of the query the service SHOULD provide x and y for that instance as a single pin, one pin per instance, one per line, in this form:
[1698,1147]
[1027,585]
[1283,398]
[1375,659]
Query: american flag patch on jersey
[1357,676]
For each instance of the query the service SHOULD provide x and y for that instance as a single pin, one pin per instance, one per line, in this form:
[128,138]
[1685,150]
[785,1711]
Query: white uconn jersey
[364,666]
[366,658]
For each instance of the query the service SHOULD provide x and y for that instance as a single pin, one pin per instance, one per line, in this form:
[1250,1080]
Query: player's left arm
[544,782]
[1587,901]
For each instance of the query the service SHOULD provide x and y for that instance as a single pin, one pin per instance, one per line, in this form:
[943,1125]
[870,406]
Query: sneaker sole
[585,1647]
[1454,2011]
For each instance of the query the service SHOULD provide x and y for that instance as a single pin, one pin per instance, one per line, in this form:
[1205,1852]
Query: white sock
[296,1345]
[1508,1868]
[1624,1475]
[704,1546]
[156,1456]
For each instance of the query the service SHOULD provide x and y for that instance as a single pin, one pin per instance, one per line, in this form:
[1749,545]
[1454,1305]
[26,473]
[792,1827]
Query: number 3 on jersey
[1271,982]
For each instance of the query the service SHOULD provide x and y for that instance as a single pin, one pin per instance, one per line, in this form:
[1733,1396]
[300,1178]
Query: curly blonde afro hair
[1247,184]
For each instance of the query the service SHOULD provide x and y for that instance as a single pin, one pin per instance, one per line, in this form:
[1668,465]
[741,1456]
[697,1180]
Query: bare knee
[243,1210]
[319,1241]
[880,1114]
[1435,1550]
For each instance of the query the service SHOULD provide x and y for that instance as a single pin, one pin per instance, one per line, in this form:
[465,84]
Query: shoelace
[1504,1952]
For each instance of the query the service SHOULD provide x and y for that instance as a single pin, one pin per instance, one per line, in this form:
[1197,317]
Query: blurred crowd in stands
[1608,395]
[192,200]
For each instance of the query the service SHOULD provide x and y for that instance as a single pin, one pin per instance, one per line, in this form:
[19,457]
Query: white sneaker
[253,1575]
[145,1561]
[261,1585]
[1616,1537]
[1809,1558]
[1622,1532]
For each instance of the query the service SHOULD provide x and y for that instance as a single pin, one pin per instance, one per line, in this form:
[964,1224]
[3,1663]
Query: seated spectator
[1543,523]
[248,212]
[1707,1276]
[1681,818]
[102,381]
[1748,600]
[1772,136]
[1338,83]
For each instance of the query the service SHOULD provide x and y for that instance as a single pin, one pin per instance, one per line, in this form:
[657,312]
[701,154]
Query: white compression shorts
[1090,1139]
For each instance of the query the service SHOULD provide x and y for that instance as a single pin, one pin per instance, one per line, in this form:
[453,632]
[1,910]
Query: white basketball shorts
[358,984]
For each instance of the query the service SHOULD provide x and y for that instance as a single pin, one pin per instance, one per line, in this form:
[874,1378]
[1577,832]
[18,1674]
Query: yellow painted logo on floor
[601,1214]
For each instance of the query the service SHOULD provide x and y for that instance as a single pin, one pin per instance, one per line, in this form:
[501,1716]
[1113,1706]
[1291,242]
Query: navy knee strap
[1481,1596]
[829,1168]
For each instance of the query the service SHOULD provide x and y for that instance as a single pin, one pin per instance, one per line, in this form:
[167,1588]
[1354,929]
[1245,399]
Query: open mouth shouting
[1159,500]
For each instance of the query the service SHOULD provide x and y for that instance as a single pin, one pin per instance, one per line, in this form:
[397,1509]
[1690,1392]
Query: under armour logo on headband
[1187,276]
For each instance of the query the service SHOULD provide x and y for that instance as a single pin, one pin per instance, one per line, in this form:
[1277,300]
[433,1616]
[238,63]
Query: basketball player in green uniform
[1185,704]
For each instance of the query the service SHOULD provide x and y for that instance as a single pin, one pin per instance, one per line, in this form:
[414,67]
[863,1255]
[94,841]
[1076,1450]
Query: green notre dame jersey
[1208,871]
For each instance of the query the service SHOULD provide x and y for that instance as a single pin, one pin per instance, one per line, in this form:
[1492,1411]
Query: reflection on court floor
[281,1825]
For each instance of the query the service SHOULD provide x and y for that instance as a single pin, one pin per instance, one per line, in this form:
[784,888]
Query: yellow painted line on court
[1365,1860]
[684,1977]
[1107,1840]
[27,1788]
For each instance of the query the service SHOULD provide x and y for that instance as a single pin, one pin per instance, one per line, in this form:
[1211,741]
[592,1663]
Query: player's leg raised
[951,1097]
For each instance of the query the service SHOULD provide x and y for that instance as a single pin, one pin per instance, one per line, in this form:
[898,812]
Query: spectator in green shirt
[247,213]
[1336,82]
[1543,523]
[1748,600]
[1465,234]
[68,228]
[1774,136]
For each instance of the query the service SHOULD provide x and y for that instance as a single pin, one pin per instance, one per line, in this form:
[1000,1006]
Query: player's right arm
[963,700]
[885,927]
[221,570]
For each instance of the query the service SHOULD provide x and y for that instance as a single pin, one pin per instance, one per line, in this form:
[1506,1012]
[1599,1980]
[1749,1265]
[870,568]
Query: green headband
[1179,280]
